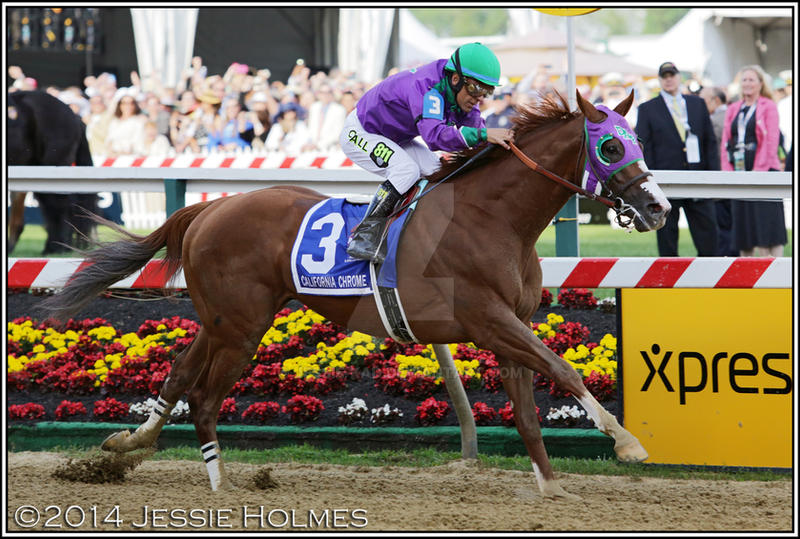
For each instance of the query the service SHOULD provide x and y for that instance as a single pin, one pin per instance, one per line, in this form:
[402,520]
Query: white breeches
[401,165]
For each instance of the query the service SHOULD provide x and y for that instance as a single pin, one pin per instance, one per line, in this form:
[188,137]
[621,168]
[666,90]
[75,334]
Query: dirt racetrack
[174,496]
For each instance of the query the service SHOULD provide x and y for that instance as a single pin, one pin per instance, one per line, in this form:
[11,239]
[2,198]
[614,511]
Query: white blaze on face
[652,187]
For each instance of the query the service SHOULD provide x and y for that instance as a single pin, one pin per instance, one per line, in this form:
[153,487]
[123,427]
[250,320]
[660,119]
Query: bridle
[619,206]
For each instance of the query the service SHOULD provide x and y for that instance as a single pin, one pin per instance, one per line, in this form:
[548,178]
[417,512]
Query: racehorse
[468,271]
[44,131]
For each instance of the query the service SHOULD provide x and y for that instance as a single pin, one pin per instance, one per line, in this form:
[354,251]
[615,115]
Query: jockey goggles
[476,89]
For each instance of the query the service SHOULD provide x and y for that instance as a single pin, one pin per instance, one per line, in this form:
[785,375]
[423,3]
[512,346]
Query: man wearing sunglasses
[438,102]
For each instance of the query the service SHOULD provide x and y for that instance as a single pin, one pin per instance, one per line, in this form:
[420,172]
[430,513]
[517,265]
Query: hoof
[116,442]
[631,451]
[554,491]
[224,486]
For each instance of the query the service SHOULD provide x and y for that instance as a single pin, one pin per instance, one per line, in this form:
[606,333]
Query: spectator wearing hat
[205,115]
[288,133]
[126,128]
[677,134]
[502,108]
[258,114]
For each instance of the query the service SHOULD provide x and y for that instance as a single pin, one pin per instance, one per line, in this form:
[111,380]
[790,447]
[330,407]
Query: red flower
[507,415]
[228,409]
[29,410]
[69,409]
[492,381]
[262,411]
[431,411]
[418,386]
[602,386]
[110,409]
[483,413]
[81,382]
[547,298]
[303,408]
[19,380]
[577,298]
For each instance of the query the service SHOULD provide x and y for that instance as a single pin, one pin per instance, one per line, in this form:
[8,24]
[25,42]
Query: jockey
[438,102]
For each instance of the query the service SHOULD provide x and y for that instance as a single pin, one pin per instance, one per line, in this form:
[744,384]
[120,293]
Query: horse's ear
[624,105]
[588,110]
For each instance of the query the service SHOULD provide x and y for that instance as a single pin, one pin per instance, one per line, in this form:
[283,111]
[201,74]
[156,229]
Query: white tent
[418,45]
[164,41]
[715,43]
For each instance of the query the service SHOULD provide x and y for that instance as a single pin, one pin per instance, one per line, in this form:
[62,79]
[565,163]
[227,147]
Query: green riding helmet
[476,61]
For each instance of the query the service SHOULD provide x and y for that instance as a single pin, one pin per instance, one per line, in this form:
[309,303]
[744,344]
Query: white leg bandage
[160,414]
[211,456]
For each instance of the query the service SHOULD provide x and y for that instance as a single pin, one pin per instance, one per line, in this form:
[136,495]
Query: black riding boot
[363,243]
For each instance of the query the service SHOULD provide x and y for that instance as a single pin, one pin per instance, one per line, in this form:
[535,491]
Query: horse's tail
[114,261]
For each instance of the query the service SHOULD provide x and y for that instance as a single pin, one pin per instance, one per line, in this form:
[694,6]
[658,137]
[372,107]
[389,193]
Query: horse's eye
[612,150]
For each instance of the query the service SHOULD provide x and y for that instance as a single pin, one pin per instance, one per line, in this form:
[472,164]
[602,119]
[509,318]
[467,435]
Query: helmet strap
[457,63]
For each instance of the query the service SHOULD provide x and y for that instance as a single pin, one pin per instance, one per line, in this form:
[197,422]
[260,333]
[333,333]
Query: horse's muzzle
[652,218]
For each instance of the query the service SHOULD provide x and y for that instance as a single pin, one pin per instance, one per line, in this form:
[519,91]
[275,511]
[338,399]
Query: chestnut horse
[467,267]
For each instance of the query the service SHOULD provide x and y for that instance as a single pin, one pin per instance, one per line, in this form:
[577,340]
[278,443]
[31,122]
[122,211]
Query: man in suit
[677,134]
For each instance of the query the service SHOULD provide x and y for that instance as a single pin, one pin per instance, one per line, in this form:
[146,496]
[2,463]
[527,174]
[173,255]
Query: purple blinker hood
[598,169]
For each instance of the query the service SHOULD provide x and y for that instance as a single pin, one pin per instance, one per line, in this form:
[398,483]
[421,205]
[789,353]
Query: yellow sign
[707,375]
[567,11]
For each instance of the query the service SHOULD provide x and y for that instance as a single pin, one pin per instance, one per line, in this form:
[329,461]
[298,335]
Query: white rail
[340,181]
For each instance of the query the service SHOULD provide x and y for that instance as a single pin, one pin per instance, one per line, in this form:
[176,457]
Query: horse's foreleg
[185,370]
[518,383]
[508,337]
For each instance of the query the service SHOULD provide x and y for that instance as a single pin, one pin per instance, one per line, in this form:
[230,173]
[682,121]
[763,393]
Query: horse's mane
[547,110]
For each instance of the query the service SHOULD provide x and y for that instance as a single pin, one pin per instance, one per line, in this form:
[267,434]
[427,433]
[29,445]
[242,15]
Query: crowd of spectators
[245,109]
[240,109]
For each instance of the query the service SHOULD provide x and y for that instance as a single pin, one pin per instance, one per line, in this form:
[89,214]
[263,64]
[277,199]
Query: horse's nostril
[658,209]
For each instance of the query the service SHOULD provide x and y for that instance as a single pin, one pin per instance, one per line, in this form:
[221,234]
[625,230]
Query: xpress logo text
[736,371]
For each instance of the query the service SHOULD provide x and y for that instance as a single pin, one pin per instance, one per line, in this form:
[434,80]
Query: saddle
[321,266]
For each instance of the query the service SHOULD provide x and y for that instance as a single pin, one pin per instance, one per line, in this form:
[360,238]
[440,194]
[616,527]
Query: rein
[463,167]
[530,163]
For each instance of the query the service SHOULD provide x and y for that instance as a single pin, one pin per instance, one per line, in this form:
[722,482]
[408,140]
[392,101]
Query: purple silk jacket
[394,109]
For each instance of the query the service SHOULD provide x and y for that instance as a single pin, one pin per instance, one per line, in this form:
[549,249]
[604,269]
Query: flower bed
[306,370]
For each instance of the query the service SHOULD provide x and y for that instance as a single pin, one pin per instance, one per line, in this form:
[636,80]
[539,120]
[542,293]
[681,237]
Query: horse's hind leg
[185,370]
[518,383]
[229,355]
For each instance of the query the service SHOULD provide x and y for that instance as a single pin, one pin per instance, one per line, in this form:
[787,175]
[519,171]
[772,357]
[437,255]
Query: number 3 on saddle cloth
[322,267]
